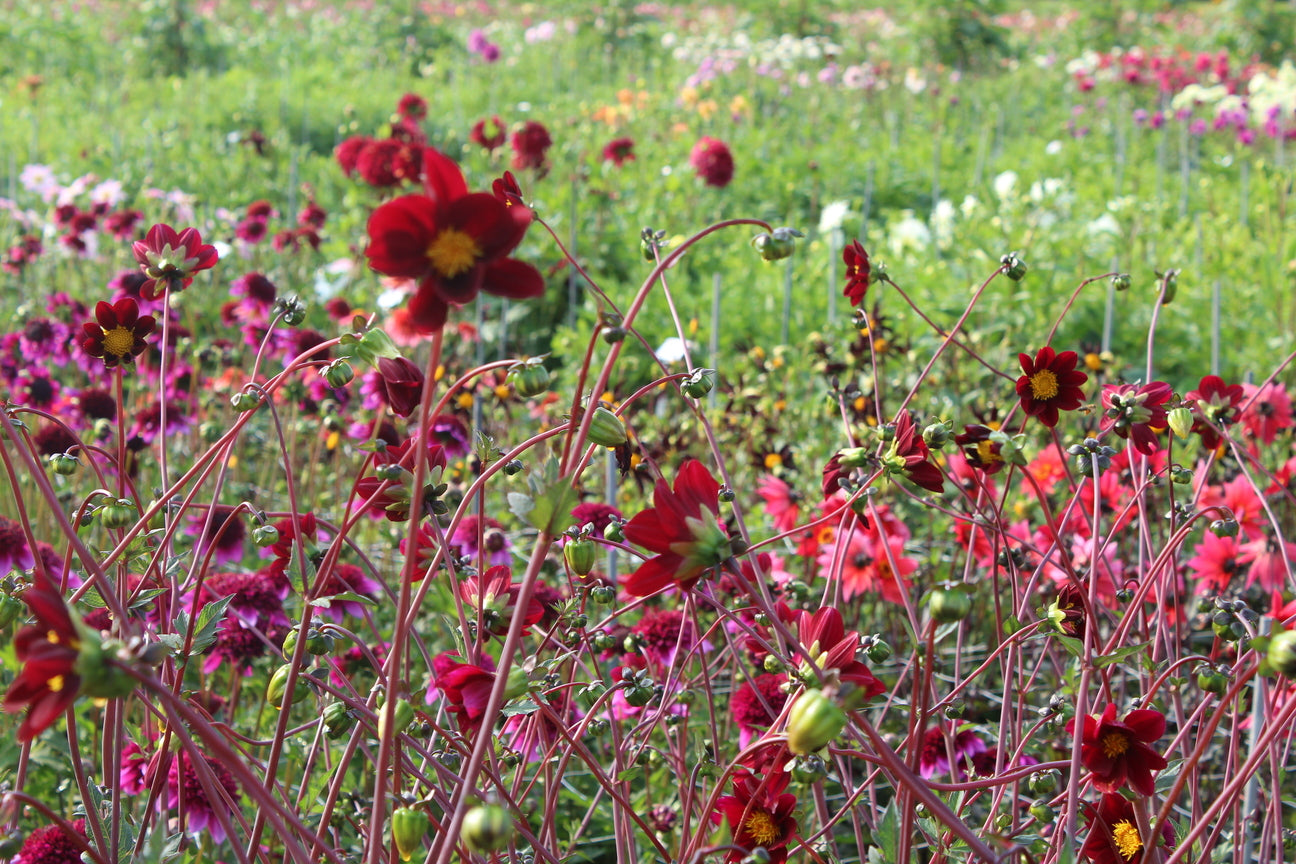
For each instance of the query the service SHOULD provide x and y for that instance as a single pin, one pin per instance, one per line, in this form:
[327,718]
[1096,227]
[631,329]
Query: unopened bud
[487,828]
[813,721]
[409,824]
[606,429]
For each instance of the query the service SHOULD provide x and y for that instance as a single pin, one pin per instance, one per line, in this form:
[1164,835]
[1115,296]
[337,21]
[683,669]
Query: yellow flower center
[1114,744]
[464,400]
[773,460]
[118,341]
[55,683]
[452,252]
[1044,384]
[985,452]
[760,827]
[1127,839]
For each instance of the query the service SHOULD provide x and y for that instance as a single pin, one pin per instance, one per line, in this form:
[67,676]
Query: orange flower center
[760,827]
[55,683]
[452,252]
[1044,384]
[1114,744]
[1127,839]
[118,341]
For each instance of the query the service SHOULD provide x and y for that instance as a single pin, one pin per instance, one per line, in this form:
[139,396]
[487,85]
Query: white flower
[1053,148]
[39,179]
[969,207]
[914,82]
[908,234]
[672,350]
[942,222]
[1005,185]
[834,216]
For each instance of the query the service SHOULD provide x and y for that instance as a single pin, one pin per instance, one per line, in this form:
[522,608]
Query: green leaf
[551,509]
[1119,654]
[209,618]
[1011,625]
[521,505]
[369,347]
[344,597]
[887,833]
[1073,646]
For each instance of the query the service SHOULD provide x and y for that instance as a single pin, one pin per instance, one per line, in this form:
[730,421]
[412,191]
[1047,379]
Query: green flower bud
[777,245]
[1282,653]
[337,720]
[265,536]
[338,373]
[1014,267]
[1180,475]
[487,828]
[1045,782]
[279,684]
[1212,680]
[513,467]
[606,429]
[245,401]
[1121,281]
[613,335]
[102,677]
[530,378]
[409,824]
[64,464]
[603,594]
[403,716]
[813,721]
[699,383]
[1224,528]
[809,769]
[1042,812]
[951,603]
[1181,421]
[580,554]
[878,651]
[615,531]
[117,513]
[289,647]
[937,435]
[772,664]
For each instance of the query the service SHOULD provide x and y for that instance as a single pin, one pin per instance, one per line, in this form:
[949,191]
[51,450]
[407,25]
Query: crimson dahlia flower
[619,151]
[1114,834]
[759,814]
[172,258]
[857,272]
[683,527]
[1117,751]
[713,162]
[466,688]
[116,336]
[1214,405]
[531,143]
[49,651]
[1051,384]
[1134,412]
[453,243]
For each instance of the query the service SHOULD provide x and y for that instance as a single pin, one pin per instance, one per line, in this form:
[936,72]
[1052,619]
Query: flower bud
[1044,782]
[265,536]
[615,531]
[1180,475]
[64,464]
[613,335]
[606,429]
[409,824]
[1042,812]
[936,435]
[529,378]
[813,721]
[1212,680]
[580,554]
[279,683]
[778,244]
[487,828]
[809,769]
[1180,421]
[513,467]
[10,608]
[1121,281]
[1224,528]
[402,717]
[338,373]
[603,594]
[337,720]
[1013,267]
[245,401]
[117,513]
[949,603]
[699,383]
[878,651]
[1282,653]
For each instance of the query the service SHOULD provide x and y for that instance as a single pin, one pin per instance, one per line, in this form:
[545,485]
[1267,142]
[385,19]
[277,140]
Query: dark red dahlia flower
[49,651]
[402,383]
[1051,384]
[531,143]
[826,641]
[54,845]
[172,258]
[683,527]
[910,455]
[466,688]
[453,243]
[759,814]
[412,106]
[489,134]
[858,271]
[1117,751]
[713,162]
[348,153]
[1114,833]
[1135,410]
[116,336]
[978,449]
[1214,405]
[619,151]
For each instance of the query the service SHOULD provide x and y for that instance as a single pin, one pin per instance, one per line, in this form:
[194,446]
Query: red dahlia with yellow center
[116,336]
[1051,383]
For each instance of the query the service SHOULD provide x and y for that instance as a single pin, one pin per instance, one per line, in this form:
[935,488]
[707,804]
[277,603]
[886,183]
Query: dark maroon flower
[172,258]
[1214,405]
[858,272]
[466,688]
[910,455]
[825,640]
[54,845]
[1134,411]
[348,153]
[389,162]
[454,244]
[598,516]
[117,334]
[402,384]
[1050,384]
[978,449]
[531,143]
[759,814]
[489,134]
[757,703]
[1117,751]
[508,192]
[683,528]
[412,106]
[49,651]
[619,151]
[713,162]
[1114,834]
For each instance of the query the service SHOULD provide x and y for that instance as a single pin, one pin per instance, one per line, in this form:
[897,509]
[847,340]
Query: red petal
[511,278]
[399,234]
